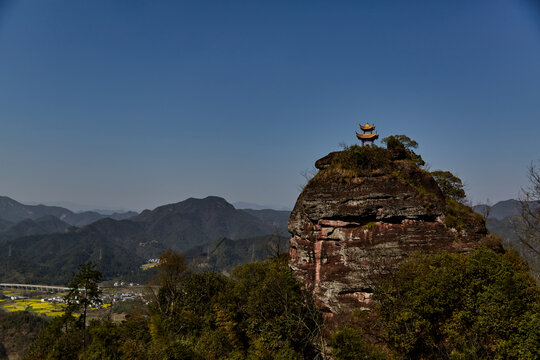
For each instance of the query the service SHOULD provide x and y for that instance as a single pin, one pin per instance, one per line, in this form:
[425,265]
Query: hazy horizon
[75,207]
[135,106]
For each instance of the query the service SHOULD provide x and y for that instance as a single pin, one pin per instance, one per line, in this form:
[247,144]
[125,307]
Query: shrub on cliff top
[362,160]
[404,144]
[449,184]
[459,215]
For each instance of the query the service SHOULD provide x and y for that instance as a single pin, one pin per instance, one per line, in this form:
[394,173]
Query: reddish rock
[348,231]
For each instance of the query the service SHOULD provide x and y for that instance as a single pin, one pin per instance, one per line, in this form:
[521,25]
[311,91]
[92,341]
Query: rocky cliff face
[358,218]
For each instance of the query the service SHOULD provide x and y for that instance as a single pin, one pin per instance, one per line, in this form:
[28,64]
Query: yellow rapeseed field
[148,266]
[34,305]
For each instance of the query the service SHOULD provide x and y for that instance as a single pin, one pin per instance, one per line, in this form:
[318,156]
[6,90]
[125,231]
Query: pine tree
[84,292]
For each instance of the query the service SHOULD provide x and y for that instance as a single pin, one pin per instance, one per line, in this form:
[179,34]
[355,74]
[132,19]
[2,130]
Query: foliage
[400,142]
[405,144]
[458,215]
[350,344]
[224,254]
[454,306]
[106,341]
[442,306]
[450,185]
[219,317]
[84,292]
[19,329]
[65,336]
[260,312]
[370,225]
[170,273]
[53,342]
[362,160]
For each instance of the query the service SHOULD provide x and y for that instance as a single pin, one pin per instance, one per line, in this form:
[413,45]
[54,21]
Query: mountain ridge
[14,211]
[180,226]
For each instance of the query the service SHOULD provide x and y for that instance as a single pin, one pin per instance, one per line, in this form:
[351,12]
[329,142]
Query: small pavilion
[368,134]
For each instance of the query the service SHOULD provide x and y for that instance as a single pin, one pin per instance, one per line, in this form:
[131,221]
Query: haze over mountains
[44,244]
[43,248]
[14,211]
[44,225]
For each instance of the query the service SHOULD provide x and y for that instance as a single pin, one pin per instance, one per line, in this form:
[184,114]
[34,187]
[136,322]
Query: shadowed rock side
[348,230]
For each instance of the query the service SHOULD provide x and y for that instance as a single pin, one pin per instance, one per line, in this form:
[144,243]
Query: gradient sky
[132,104]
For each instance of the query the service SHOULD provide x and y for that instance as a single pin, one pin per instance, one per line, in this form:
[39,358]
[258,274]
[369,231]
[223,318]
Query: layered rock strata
[348,230]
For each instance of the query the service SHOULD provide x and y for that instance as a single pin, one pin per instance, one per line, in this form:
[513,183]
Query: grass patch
[459,215]
[422,190]
[362,160]
[372,225]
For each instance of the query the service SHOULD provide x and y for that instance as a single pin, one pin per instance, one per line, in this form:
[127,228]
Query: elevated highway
[48,288]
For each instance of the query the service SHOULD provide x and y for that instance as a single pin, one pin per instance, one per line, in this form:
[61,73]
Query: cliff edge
[366,210]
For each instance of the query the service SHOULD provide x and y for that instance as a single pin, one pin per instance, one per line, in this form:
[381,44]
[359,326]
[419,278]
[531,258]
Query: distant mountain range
[45,244]
[14,211]
[47,224]
[242,205]
[43,248]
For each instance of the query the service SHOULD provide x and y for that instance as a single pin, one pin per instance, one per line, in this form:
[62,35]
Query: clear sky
[132,104]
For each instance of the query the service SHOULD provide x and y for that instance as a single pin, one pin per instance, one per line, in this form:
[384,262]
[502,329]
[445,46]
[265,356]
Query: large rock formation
[360,216]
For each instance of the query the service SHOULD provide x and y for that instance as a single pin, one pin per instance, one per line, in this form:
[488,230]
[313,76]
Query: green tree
[454,306]
[449,184]
[171,272]
[19,329]
[289,320]
[351,344]
[136,336]
[106,341]
[260,312]
[84,292]
[404,144]
[56,341]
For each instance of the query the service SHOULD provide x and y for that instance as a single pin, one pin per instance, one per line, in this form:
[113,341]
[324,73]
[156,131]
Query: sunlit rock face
[349,230]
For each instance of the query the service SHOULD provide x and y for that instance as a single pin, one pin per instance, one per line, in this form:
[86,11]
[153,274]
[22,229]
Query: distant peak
[208,199]
[9,200]
[193,203]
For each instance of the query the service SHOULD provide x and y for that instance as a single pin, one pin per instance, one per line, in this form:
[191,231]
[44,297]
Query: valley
[212,233]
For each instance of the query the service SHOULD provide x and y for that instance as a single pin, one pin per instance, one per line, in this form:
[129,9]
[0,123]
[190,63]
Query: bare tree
[171,272]
[275,246]
[307,174]
[485,208]
[527,225]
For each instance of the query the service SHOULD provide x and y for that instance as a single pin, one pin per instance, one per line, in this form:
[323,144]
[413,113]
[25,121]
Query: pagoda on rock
[371,136]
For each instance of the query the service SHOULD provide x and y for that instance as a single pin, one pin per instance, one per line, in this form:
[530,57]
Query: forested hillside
[440,306]
[14,211]
[502,220]
[47,250]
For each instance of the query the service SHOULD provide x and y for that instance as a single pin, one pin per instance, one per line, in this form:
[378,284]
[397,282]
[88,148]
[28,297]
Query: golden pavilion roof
[367,127]
[367,136]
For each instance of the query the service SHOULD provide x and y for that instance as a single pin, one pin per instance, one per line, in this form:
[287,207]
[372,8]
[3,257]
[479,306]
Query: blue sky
[134,104]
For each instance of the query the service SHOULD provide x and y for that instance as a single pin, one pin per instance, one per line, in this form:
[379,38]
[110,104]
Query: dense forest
[483,305]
